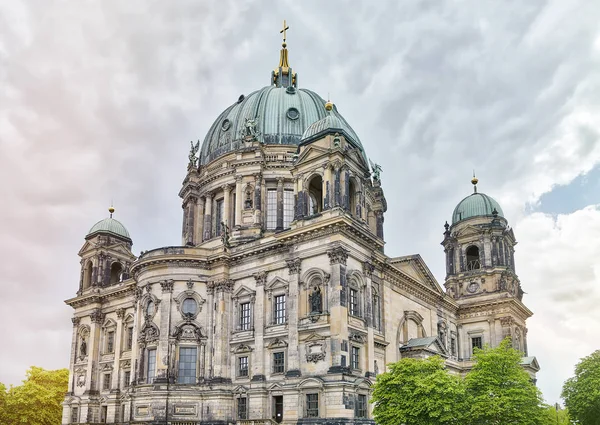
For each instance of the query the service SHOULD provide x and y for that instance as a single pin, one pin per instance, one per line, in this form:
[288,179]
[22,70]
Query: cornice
[103,295]
[469,311]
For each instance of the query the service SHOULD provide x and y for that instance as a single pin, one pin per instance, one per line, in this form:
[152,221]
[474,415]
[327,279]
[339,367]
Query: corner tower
[481,276]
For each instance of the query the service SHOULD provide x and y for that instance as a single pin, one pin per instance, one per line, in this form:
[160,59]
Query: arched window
[116,272]
[87,275]
[473,262]
[315,192]
[352,197]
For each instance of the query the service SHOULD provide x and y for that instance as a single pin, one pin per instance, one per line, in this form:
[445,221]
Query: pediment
[314,337]
[357,156]
[243,291]
[276,282]
[87,246]
[120,248]
[430,345]
[414,266]
[311,152]
[468,231]
[277,343]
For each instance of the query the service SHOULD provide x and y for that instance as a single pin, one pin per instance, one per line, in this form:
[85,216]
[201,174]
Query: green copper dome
[109,225]
[475,205]
[333,122]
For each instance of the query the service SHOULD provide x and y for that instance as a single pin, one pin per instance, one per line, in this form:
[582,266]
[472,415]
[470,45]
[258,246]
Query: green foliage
[552,416]
[37,401]
[582,392]
[499,391]
[417,392]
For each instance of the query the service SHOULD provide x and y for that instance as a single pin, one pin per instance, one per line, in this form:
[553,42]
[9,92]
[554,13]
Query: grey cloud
[99,101]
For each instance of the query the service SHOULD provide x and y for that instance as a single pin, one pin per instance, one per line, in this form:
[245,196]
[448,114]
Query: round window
[189,306]
[473,287]
[225,125]
[150,308]
[293,114]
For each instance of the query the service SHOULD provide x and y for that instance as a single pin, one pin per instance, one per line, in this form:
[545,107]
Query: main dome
[280,115]
[475,205]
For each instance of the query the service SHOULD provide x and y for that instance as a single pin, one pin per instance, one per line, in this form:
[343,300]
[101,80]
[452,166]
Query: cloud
[99,101]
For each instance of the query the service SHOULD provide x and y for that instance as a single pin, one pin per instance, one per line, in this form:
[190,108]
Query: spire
[474,181]
[282,76]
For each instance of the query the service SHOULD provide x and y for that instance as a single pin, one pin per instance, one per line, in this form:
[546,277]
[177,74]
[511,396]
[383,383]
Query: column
[208,217]
[162,351]
[299,197]
[223,290]
[337,187]
[209,349]
[346,184]
[239,200]
[338,308]
[191,215]
[118,343]
[327,187]
[199,221]
[279,204]
[257,198]
[226,202]
[76,321]
[370,316]
[136,358]
[97,318]
[293,365]
[258,371]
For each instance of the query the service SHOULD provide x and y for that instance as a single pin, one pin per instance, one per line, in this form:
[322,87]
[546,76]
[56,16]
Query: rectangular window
[279,310]
[106,381]
[187,365]
[219,216]
[476,342]
[74,415]
[151,366]
[242,408]
[279,362]
[271,209]
[376,313]
[312,405]
[243,366]
[361,406]
[129,337]
[453,346]
[126,378]
[103,414]
[354,302]
[288,208]
[355,358]
[245,316]
[110,342]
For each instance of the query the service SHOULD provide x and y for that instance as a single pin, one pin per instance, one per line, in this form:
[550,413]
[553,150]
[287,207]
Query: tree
[418,392]
[38,400]
[582,391]
[553,416]
[499,391]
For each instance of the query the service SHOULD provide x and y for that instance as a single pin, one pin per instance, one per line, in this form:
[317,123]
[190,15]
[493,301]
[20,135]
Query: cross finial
[283,31]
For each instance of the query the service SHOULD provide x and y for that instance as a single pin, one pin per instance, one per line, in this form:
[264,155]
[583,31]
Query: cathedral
[280,305]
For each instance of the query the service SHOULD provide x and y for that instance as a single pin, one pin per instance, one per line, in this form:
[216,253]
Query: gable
[415,267]
[311,152]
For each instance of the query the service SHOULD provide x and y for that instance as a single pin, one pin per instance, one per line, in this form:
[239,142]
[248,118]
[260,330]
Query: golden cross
[283,31]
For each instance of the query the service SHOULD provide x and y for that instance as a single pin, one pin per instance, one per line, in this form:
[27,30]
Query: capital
[338,255]
[261,278]
[294,265]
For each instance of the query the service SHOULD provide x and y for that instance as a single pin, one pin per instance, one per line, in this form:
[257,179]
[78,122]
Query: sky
[99,101]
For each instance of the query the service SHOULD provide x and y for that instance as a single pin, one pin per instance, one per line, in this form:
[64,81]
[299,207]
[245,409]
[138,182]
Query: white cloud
[558,266]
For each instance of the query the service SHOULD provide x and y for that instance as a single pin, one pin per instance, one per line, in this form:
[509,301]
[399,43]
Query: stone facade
[280,305]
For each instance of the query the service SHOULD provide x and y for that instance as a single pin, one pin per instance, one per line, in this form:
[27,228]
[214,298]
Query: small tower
[481,277]
[106,254]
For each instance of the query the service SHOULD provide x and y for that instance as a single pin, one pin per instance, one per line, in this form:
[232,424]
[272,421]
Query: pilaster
[239,201]
[339,310]
[292,309]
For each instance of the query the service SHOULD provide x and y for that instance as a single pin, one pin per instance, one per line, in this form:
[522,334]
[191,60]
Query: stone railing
[255,422]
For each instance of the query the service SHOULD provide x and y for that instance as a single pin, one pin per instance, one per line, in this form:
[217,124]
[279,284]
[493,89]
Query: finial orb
[474,180]
[284,45]
[328,106]
[111,210]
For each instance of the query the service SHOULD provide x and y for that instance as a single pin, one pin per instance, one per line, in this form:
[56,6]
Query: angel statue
[376,171]
[193,151]
[250,129]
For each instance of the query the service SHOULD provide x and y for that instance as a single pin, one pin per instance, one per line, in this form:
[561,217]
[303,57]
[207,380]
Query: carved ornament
[337,255]
[294,265]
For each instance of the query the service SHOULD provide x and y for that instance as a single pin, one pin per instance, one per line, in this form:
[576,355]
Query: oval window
[150,308]
[225,125]
[293,114]
[189,306]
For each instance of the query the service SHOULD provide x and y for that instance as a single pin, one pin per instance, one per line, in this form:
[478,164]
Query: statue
[376,171]
[316,301]
[193,151]
[83,348]
[225,234]
[250,129]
